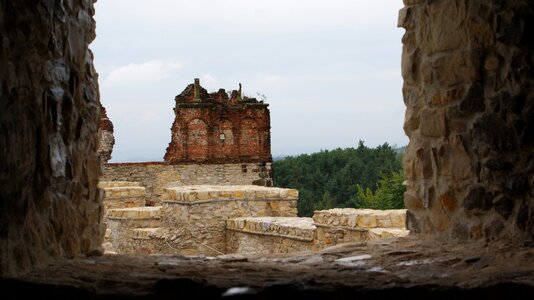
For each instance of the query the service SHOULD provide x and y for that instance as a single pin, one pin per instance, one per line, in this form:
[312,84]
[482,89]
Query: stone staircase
[122,194]
[129,227]
[215,220]
[124,200]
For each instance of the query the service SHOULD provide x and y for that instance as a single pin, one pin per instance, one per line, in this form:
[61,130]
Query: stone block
[366,221]
[203,195]
[135,212]
[292,193]
[381,233]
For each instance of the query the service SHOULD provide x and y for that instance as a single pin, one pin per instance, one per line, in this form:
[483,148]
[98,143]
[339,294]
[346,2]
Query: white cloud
[141,74]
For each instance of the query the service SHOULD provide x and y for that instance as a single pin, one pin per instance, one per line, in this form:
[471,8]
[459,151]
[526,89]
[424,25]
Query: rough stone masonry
[105,133]
[49,110]
[468,69]
[479,147]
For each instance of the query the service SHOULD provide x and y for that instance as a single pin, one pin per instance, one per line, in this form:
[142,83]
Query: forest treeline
[360,177]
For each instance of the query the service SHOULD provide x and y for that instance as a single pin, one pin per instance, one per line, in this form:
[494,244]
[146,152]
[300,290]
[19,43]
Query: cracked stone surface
[401,266]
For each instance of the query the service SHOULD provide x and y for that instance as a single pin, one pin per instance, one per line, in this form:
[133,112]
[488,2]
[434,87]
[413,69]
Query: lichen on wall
[49,110]
[468,69]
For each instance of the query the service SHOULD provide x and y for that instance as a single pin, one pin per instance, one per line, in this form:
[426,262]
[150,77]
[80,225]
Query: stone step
[118,203]
[382,233]
[107,184]
[288,227]
[123,192]
[144,212]
[135,217]
[360,218]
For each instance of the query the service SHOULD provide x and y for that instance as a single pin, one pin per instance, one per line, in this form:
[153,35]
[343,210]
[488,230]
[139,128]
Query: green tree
[330,178]
[328,201]
[388,195]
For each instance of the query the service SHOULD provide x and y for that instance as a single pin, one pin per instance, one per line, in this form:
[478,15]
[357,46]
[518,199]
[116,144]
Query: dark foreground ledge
[396,268]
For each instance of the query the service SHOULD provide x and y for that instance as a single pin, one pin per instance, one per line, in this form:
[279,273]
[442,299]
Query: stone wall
[106,138]
[49,110]
[156,176]
[215,220]
[468,69]
[192,219]
[343,225]
[269,235]
[197,216]
[126,225]
[216,128]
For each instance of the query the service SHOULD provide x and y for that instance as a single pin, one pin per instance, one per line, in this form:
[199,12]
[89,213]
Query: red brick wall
[215,128]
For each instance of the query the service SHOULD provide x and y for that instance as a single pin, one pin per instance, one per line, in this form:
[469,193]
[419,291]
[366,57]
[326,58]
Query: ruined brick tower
[218,128]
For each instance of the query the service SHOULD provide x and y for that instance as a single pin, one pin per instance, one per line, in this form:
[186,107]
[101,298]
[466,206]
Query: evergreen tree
[328,179]
[388,195]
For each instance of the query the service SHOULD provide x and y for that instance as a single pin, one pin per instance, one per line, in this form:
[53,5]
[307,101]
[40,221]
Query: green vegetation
[388,195]
[359,177]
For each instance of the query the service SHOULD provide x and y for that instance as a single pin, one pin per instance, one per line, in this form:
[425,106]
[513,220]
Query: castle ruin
[200,200]
[215,128]
[468,72]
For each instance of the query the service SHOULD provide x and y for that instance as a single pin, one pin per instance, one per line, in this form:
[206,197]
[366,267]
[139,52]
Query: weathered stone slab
[200,193]
[133,213]
[382,233]
[269,235]
[287,227]
[109,184]
[360,218]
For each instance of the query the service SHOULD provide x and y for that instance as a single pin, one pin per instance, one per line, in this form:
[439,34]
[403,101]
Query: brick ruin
[215,139]
[217,128]
[468,69]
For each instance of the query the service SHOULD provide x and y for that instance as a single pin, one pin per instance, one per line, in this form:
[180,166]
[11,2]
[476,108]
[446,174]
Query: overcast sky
[330,70]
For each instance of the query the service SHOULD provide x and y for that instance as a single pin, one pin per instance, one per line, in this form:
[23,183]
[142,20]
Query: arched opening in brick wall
[468,68]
